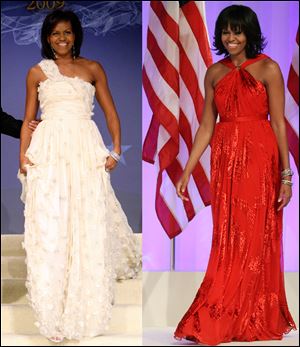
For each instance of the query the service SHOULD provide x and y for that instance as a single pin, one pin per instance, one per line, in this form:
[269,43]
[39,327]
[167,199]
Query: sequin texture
[245,299]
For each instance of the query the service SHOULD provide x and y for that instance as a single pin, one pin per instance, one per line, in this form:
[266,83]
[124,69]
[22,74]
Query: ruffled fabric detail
[77,238]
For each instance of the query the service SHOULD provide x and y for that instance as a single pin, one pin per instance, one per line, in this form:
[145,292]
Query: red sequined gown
[242,296]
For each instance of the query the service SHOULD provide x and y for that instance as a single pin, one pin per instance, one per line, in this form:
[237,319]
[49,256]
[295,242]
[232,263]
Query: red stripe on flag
[167,22]
[164,116]
[293,141]
[190,79]
[185,130]
[150,143]
[175,171]
[195,20]
[166,69]
[166,218]
[167,154]
[202,184]
[199,175]
[293,84]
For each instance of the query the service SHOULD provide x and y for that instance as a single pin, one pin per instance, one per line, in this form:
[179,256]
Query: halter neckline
[228,62]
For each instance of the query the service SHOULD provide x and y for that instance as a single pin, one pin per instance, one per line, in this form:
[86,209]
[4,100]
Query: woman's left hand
[110,164]
[33,124]
[285,195]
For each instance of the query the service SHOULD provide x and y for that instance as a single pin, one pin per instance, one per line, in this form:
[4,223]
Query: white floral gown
[77,238]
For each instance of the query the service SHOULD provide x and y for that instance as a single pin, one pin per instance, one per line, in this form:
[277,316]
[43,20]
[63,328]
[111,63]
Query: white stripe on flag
[292,112]
[190,46]
[160,26]
[173,11]
[165,43]
[175,205]
[201,7]
[162,89]
[205,162]
[163,138]
[183,157]
[188,107]
[295,61]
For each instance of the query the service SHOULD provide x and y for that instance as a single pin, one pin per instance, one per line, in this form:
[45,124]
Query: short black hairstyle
[50,22]
[244,19]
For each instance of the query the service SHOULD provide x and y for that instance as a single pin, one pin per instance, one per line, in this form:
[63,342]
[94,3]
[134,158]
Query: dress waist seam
[244,119]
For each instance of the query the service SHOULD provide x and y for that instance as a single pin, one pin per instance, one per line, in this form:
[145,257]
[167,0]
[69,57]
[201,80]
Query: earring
[73,52]
[53,52]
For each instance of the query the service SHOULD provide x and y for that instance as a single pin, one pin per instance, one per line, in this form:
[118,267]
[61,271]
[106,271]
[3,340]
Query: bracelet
[115,155]
[287,182]
[286,172]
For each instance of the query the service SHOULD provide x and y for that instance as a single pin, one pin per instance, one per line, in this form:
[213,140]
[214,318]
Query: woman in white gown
[77,238]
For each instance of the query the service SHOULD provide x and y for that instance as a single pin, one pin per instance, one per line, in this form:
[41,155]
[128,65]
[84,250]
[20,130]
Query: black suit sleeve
[9,125]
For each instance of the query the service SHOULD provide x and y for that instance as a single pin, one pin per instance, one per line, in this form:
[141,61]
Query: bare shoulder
[214,72]
[92,65]
[34,70]
[215,69]
[270,68]
[35,74]
[270,64]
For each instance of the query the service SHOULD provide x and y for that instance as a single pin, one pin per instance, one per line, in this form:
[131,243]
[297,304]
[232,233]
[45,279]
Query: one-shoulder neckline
[69,77]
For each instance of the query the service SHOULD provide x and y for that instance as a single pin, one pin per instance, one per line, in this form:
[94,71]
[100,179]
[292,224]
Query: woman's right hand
[23,162]
[181,186]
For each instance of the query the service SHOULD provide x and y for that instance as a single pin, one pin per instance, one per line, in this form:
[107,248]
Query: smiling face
[234,41]
[62,39]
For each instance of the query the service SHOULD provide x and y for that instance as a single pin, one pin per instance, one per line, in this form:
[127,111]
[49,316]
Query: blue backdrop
[112,36]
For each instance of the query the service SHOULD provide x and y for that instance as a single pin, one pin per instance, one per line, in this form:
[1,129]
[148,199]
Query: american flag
[176,60]
[292,105]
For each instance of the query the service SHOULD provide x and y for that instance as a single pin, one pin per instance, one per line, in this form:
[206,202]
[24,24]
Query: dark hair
[240,18]
[50,22]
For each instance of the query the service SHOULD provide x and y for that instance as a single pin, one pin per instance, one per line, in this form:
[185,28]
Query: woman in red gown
[242,296]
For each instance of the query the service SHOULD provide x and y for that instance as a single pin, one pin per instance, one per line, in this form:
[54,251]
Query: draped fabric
[77,238]
[242,296]
[292,104]
[176,60]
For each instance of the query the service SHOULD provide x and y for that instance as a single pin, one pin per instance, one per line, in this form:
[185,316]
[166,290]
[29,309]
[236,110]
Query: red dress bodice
[238,95]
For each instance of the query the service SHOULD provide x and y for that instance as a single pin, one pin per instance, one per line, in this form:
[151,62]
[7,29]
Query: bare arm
[105,100]
[203,135]
[275,89]
[31,108]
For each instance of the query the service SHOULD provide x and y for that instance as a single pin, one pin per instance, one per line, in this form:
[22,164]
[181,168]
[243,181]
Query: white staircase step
[13,267]
[127,292]
[11,245]
[17,323]
[104,340]
[19,319]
